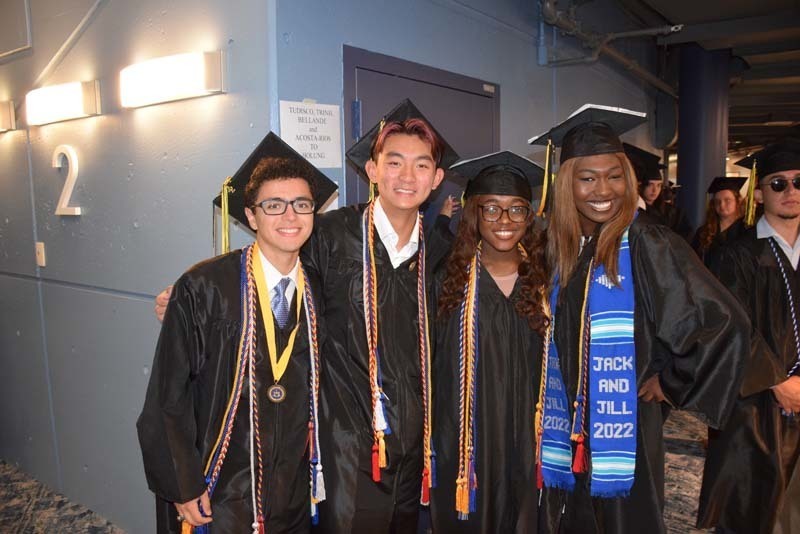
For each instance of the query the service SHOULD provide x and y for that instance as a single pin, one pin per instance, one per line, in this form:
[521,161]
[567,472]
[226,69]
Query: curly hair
[532,270]
[272,168]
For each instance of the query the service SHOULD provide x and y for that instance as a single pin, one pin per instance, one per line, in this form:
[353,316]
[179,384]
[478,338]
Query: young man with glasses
[751,482]
[229,428]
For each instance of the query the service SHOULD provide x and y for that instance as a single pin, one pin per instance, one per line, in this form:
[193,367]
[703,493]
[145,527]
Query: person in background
[751,481]
[723,220]
[654,198]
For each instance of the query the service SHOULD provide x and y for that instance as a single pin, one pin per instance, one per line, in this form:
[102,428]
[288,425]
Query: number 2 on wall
[61,153]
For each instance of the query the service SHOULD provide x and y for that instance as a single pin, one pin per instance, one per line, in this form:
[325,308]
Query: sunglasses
[780,184]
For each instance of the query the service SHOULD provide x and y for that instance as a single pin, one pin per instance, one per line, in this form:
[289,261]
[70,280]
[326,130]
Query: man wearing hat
[751,482]
[229,429]
[374,262]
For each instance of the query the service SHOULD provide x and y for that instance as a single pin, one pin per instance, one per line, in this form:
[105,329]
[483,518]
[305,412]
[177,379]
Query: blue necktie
[280,306]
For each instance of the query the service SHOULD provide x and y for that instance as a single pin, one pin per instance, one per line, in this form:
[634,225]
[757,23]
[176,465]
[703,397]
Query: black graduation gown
[688,329]
[355,503]
[672,217]
[509,368]
[712,255]
[190,383]
[752,460]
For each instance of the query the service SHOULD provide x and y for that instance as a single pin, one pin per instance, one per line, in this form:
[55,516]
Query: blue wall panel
[101,347]
[27,431]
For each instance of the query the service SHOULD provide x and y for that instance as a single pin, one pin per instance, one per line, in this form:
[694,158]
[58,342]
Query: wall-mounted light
[169,78]
[7,118]
[62,102]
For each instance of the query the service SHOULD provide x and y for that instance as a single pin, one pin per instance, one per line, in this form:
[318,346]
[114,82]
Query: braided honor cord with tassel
[792,310]
[380,424]
[245,365]
[467,479]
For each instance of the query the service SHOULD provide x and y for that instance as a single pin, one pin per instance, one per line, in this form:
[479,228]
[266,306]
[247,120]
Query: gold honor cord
[750,205]
[226,230]
[279,364]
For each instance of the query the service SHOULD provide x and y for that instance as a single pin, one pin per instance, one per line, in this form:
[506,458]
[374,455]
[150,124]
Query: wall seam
[40,298]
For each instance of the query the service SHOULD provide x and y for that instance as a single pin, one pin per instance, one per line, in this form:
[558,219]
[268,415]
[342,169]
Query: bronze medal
[276,393]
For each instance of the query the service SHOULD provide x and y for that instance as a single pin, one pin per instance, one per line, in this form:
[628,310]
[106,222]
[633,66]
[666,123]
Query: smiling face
[599,187]
[405,172]
[285,233]
[503,234]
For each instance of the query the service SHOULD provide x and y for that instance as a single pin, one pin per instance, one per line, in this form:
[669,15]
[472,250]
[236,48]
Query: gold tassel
[186,527]
[545,184]
[750,206]
[462,496]
[373,191]
[381,451]
[226,216]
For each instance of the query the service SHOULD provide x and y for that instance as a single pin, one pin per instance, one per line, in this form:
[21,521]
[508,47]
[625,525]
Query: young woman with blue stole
[636,321]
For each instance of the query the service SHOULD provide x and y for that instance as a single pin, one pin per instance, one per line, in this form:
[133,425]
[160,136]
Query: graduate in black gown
[723,223]
[751,482]
[508,280]
[655,198]
[376,395]
[687,334]
[213,385]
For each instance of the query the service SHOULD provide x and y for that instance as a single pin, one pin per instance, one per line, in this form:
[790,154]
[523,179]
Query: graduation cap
[591,130]
[361,151]
[783,155]
[647,165]
[231,199]
[721,183]
[500,173]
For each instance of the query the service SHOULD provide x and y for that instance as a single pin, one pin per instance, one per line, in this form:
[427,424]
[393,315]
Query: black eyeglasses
[277,206]
[780,184]
[493,213]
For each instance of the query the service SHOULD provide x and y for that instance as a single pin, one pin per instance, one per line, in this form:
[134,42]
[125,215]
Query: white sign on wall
[314,131]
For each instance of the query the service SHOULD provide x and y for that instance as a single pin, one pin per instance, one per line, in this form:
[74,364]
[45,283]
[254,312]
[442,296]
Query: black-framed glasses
[780,184]
[277,206]
[493,212]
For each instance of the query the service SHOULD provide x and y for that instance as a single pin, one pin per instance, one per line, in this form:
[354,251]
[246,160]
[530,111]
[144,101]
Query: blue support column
[702,125]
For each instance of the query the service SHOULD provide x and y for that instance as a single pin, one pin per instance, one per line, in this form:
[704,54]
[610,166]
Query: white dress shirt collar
[765,230]
[273,276]
[389,237]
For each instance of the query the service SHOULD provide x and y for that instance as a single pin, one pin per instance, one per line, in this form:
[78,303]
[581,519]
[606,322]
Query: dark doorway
[466,111]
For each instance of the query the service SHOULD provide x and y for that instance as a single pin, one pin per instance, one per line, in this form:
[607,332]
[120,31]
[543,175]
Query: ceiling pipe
[600,45]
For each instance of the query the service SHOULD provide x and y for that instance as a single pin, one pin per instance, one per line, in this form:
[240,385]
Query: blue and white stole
[607,373]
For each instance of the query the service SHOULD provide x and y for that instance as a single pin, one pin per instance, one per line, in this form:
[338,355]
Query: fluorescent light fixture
[7,117]
[169,78]
[62,102]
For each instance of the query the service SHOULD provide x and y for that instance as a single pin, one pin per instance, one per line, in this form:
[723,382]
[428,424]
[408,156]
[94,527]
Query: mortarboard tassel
[186,527]
[546,182]
[226,216]
[750,206]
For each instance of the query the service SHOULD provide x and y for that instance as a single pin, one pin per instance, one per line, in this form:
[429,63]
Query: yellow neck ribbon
[279,364]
